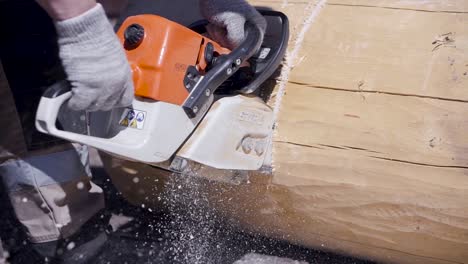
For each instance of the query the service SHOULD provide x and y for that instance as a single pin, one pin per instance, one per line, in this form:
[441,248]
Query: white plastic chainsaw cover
[160,129]
[234,135]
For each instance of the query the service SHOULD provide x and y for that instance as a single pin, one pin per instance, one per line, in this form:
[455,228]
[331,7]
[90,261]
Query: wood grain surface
[372,131]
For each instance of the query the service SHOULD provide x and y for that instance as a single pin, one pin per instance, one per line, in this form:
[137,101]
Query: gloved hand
[94,61]
[227,18]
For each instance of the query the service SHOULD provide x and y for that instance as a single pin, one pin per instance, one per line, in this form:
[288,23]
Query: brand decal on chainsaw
[263,54]
[252,117]
[133,118]
[180,67]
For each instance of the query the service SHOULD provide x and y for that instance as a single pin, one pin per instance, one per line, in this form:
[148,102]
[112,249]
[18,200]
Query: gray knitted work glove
[95,62]
[227,18]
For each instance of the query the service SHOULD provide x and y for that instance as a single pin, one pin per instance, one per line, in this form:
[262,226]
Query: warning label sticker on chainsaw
[133,118]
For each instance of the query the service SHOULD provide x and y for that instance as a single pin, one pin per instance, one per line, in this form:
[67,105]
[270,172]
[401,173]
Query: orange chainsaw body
[159,52]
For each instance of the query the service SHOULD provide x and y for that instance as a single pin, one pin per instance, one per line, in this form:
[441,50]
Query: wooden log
[397,51]
[370,152]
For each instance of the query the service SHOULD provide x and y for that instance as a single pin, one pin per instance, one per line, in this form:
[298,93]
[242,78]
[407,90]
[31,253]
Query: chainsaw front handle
[225,66]
[276,37]
[266,60]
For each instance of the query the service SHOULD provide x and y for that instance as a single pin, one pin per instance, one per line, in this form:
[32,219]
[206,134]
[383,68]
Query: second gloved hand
[228,17]
[94,61]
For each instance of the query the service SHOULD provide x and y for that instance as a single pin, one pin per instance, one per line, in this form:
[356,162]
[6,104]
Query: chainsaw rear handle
[141,145]
[47,114]
[226,65]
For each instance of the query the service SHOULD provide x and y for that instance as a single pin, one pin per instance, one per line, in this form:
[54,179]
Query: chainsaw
[196,108]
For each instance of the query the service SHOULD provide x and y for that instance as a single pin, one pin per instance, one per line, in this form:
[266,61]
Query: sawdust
[198,232]
[262,259]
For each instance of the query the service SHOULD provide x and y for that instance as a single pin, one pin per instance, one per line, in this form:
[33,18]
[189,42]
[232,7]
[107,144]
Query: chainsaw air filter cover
[160,52]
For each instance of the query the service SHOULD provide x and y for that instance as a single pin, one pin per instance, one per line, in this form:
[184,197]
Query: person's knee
[52,194]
